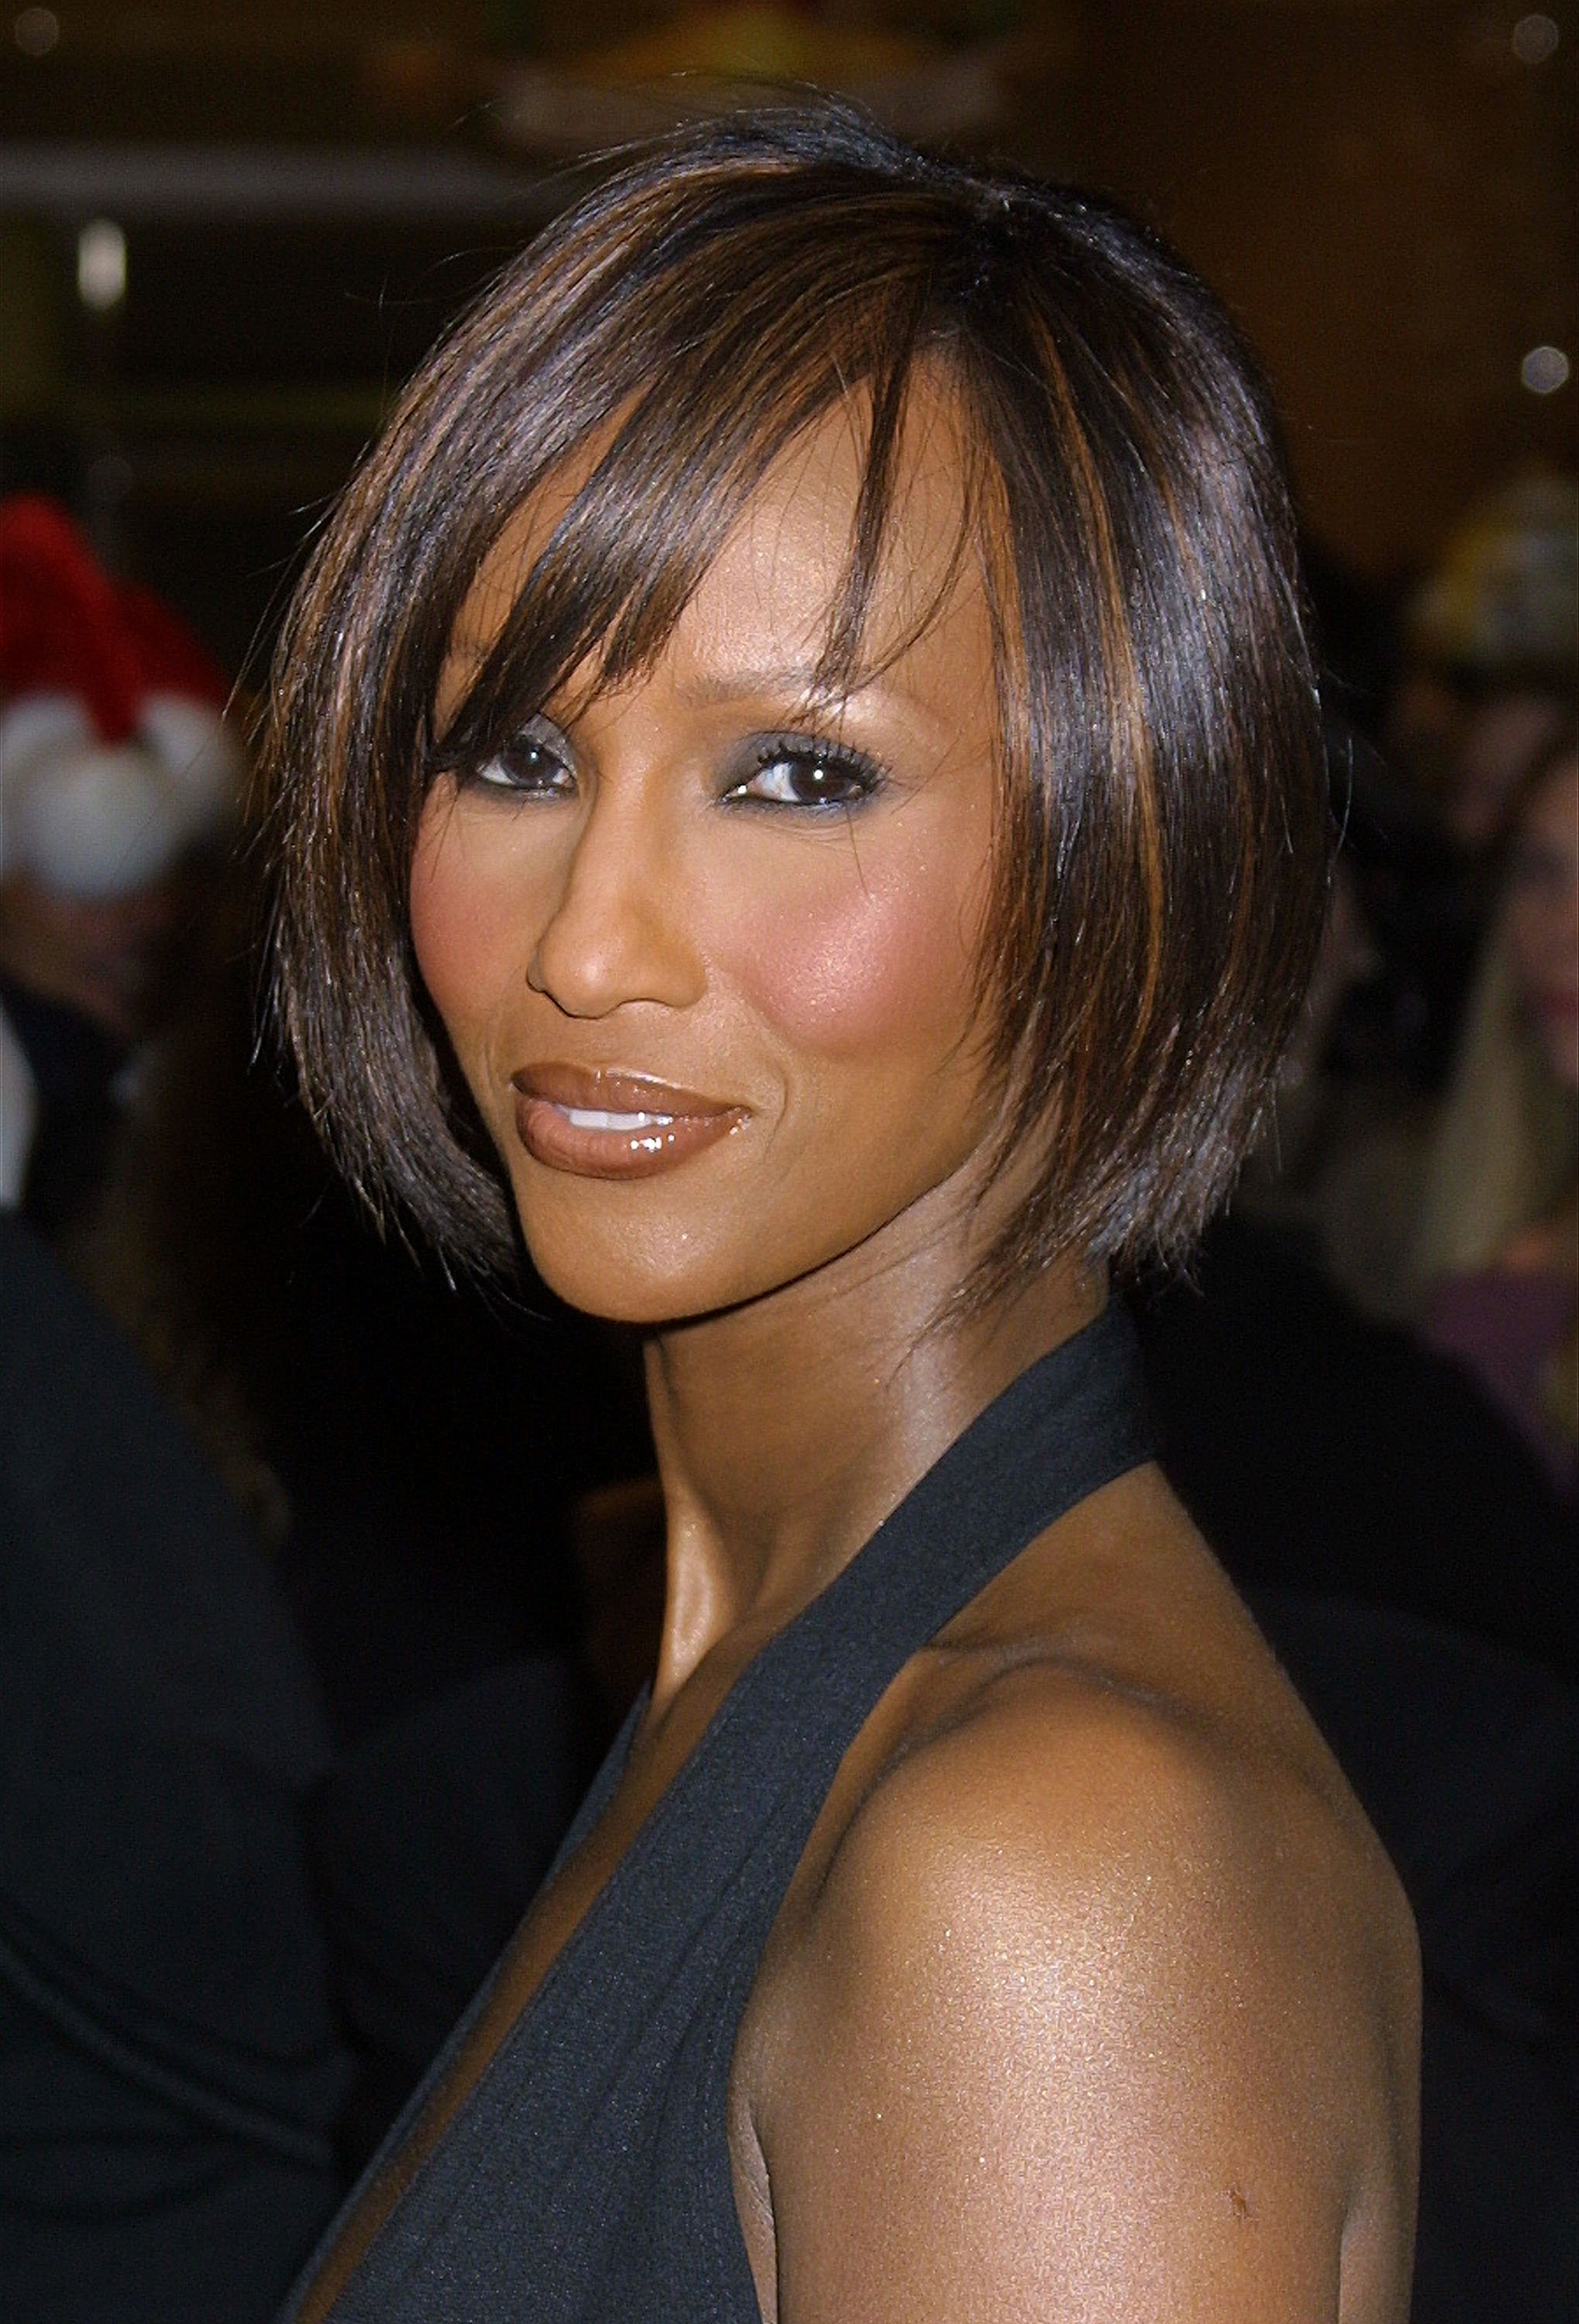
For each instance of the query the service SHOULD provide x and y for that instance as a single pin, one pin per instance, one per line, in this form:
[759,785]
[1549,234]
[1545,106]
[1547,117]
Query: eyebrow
[799,680]
[795,682]
[802,681]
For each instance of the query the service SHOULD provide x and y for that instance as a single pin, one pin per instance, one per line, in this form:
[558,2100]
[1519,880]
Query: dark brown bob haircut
[1160,861]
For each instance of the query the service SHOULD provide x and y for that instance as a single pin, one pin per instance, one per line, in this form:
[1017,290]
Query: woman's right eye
[534,763]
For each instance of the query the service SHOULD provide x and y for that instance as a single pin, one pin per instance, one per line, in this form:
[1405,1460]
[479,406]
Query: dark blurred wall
[1383,189]
[1386,195]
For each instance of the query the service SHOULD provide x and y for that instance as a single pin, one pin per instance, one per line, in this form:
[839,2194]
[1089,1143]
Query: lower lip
[639,1146]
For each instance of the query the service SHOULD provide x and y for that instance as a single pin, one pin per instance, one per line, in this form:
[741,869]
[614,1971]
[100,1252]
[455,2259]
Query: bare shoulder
[1085,1819]
[1123,1990]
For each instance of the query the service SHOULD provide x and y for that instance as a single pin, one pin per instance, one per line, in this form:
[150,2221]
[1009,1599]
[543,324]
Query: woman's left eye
[808,774]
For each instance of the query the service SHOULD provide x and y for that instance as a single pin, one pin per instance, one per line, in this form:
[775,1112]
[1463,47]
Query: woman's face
[1543,915]
[708,961]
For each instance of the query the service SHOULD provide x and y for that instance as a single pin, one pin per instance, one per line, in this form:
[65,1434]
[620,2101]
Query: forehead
[765,603]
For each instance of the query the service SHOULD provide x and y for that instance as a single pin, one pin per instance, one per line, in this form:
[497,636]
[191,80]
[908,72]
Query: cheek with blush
[471,915]
[864,966]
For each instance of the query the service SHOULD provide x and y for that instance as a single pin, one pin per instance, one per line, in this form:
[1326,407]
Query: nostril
[609,950]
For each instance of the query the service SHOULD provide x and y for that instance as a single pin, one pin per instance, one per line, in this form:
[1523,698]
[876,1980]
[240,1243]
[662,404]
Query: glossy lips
[613,1125]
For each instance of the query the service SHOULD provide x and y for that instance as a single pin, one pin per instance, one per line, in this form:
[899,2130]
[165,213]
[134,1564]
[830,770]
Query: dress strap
[1071,1423]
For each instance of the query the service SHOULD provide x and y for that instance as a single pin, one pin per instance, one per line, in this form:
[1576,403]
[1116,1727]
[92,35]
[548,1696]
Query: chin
[670,1250]
[634,1298]
[654,1268]
[626,1272]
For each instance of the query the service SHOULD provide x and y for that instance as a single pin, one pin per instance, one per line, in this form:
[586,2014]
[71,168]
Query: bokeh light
[1543,370]
[36,31]
[101,265]
[1535,39]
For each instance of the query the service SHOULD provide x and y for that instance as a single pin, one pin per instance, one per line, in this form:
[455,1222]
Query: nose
[620,931]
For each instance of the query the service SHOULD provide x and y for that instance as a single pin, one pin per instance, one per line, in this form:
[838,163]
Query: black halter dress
[585,2178]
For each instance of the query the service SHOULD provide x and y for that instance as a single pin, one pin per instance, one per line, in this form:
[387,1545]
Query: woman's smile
[597,1124]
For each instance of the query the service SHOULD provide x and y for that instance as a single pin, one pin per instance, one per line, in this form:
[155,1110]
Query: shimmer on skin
[1092,1997]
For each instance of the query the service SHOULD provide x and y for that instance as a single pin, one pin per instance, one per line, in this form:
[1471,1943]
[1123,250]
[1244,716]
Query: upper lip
[605,1090]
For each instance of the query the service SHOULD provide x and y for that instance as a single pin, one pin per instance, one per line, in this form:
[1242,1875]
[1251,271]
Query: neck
[788,1428]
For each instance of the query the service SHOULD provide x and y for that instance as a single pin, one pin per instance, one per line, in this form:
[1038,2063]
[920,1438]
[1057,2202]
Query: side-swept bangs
[1161,851]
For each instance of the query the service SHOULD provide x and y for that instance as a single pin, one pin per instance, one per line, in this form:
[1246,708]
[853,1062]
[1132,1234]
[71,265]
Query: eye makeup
[801,771]
[785,770]
[535,761]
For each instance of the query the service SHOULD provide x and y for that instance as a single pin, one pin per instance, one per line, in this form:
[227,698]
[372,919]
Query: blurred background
[324,1580]
[225,237]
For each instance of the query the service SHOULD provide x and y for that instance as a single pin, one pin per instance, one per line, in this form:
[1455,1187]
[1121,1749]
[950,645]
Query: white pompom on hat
[95,821]
[114,753]
[198,756]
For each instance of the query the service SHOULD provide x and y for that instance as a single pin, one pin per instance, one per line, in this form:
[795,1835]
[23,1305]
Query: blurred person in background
[1492,656]
[1498,1248]
[170,2073]
[171,2079]
[117,774]
[1425,758]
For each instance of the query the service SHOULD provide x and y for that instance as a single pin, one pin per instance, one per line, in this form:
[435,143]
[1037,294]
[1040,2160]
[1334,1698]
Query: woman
[797,769]
[1498,1249]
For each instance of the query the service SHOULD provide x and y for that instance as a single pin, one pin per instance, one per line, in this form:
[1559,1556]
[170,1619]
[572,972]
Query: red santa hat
[114,755]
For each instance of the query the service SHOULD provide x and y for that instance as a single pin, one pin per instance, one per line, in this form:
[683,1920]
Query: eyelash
[536,737]
[861,776]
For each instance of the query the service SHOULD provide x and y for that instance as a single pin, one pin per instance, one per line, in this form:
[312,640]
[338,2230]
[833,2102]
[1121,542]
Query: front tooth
[583,1117]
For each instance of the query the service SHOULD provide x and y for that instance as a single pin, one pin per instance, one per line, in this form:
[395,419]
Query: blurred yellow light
[101,264]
